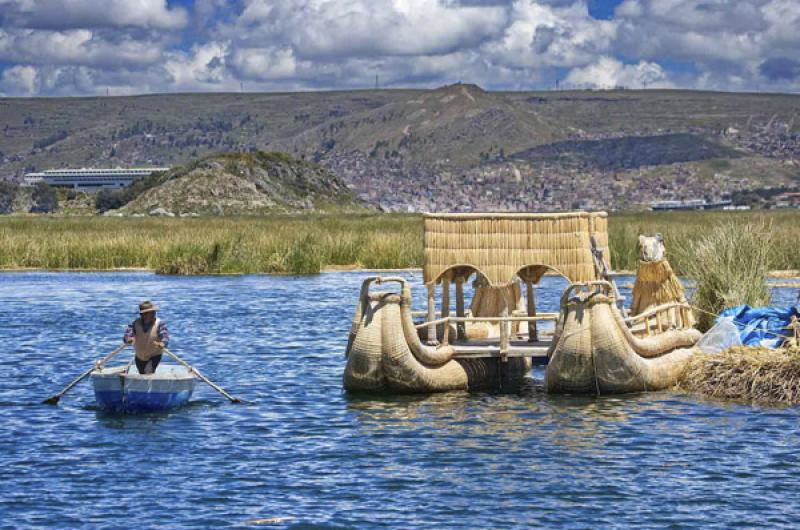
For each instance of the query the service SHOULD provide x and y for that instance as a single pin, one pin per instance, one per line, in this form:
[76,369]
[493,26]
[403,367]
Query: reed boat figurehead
[656,284]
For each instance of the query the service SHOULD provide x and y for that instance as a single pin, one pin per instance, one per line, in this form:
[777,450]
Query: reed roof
[499,245]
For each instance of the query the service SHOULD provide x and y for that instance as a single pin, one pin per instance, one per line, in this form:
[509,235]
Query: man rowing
[149,336]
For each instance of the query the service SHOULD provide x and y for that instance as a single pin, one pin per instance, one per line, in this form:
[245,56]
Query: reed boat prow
[595,348]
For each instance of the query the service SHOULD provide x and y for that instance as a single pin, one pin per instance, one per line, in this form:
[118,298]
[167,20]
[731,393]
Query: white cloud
[203,68]
[327,29]
[84,46]
[725,42]
[542,35]
[63,14]
[18,81]
[264,63]
[78,46]
[608,72]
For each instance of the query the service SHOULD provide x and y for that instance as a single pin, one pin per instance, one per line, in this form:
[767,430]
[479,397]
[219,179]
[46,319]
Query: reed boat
[124,389]
[594,347]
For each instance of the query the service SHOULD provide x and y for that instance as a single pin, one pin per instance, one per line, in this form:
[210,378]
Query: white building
[89,179]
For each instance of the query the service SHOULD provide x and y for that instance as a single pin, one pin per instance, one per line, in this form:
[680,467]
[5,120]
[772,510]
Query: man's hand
[159,345]
[128,341]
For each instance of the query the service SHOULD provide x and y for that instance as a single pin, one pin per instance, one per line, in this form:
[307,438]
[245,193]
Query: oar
[202,377]
[53,400]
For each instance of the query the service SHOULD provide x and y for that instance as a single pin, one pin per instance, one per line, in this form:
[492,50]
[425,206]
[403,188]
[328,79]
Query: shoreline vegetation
[312,243]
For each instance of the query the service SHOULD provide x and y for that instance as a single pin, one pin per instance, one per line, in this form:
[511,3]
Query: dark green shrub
[8,192]
[44,199]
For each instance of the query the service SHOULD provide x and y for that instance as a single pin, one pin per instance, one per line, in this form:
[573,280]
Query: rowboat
[124,389]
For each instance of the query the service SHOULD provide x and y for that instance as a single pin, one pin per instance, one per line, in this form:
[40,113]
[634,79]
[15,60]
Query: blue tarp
[762,326]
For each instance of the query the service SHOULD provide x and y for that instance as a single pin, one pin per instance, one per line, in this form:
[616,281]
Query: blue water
[305,452]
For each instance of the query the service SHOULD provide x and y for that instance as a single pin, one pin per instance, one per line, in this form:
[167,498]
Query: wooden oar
[53,400]
[202,377]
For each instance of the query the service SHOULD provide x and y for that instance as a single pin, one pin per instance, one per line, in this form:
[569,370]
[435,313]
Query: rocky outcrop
[244,184]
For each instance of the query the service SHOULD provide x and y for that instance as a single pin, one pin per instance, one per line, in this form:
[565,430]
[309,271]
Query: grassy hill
[392,145]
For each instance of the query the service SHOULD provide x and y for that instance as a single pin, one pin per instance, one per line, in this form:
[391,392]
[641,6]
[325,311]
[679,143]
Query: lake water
[305,451]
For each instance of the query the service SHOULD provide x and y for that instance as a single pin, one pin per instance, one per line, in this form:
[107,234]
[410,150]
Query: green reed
[289,244]
[682,228]
[306,244]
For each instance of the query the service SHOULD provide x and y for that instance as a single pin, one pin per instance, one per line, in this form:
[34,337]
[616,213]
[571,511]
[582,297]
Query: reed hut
[501,247]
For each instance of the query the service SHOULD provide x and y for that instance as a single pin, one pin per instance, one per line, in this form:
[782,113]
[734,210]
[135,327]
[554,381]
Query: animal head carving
[651,248]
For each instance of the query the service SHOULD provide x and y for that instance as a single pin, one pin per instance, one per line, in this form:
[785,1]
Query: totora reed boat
[595,347]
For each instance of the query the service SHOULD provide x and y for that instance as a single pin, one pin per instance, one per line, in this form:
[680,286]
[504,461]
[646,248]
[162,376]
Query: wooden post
[460,327]
[432,340]
[504,335]
[533,331]
[446,307]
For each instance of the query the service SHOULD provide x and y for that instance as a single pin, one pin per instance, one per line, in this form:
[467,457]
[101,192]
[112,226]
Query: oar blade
[53,400]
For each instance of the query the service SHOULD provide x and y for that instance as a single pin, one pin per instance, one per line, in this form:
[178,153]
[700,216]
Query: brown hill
[244,184]
[457,125]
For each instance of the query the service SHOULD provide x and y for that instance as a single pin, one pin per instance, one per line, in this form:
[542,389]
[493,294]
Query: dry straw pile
[759,375]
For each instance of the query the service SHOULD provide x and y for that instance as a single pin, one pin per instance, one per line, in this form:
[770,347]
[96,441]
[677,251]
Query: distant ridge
[455,147]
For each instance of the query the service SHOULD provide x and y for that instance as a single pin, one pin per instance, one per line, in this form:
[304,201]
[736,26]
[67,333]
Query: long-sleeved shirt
[163,332]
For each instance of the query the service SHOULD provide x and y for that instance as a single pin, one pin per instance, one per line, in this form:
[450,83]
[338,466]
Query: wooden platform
[479,349]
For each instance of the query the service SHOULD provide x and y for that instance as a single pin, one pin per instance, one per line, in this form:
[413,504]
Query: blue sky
[84,47]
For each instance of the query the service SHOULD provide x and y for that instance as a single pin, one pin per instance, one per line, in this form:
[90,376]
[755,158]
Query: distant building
[89,179]
[787,200]
[694,204]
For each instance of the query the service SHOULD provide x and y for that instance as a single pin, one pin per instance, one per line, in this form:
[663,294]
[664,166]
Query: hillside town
[521,187]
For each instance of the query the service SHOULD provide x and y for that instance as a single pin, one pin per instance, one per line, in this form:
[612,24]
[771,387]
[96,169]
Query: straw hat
[147,306]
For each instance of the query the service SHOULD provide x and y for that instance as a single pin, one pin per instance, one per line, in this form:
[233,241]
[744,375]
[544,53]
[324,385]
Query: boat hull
[594,352]
[385,354]
[130,392]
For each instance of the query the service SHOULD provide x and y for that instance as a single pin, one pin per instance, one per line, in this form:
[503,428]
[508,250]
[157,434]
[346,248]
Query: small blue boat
[121,389]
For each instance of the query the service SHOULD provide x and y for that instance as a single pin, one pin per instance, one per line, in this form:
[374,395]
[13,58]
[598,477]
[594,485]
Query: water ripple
[304,454]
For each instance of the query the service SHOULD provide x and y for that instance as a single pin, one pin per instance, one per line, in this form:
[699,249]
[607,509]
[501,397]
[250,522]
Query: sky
[120,47]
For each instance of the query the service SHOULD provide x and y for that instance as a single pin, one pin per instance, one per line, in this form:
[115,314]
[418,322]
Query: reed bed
[306,244]
[729,265]
[682,228]
[280,245]
[757,375]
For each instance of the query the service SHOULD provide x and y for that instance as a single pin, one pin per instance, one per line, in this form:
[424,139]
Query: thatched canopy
[501,245]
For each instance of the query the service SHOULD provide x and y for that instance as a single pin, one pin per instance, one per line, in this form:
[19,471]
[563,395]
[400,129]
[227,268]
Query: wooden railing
[505,325]
[666,316]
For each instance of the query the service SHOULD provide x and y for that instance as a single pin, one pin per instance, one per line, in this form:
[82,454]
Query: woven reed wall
[499,245]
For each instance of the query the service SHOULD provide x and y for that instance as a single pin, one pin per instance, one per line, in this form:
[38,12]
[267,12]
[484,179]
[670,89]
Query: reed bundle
[759,375]
[656,284]
[499,245]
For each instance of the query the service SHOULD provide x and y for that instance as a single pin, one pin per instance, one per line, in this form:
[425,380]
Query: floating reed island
[758,375]
[595,346]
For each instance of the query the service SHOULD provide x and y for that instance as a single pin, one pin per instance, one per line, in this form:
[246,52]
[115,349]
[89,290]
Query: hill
[456,147]
[243,184]
[453,126]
